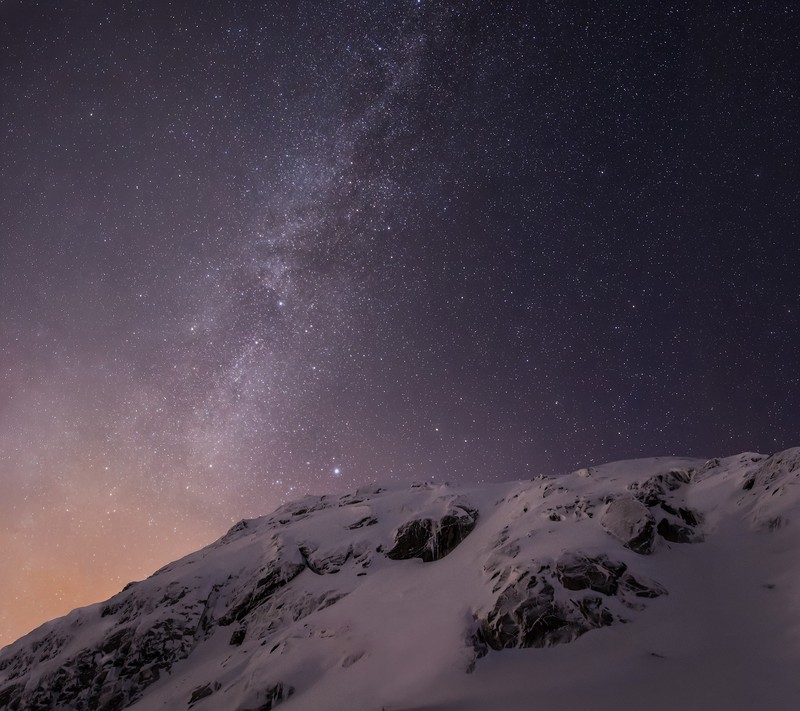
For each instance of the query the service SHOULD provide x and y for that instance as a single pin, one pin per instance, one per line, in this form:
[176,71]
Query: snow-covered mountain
[658,583]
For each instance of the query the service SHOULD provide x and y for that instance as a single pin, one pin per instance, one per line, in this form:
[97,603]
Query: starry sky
[254,250]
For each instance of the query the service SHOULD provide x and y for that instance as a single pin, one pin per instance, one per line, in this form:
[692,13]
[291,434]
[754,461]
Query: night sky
[253,250]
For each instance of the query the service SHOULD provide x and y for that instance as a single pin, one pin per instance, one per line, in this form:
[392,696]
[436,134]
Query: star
[296,235]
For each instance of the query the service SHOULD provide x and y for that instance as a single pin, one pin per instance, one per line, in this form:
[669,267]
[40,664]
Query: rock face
[271,697]
[654,490]
[271,578]
[561,601]
[768,488]
[675,533]
[247,588]
[526,614]
[631,522]
[432,539]
[576,571]
[321,595]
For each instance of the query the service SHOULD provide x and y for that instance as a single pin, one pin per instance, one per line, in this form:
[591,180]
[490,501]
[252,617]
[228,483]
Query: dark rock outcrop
[767,488]
[238,637]
[676,533]
[580,572]
[201,692]
[543,609]
[432,539]
[653,491]
[525,614]
[554,605]
[271,697]
[366,521]
[689,516]
[129,660]
[330,560]
[277,574]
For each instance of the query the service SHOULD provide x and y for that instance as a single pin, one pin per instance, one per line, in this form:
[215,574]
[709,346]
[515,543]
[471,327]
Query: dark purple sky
[251,250]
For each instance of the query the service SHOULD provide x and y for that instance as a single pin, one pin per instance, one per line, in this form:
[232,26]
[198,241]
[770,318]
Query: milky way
[254,250]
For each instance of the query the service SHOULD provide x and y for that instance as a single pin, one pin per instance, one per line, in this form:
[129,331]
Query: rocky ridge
[286,605]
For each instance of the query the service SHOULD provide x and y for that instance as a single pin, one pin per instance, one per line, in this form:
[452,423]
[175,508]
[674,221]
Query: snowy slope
[659,583]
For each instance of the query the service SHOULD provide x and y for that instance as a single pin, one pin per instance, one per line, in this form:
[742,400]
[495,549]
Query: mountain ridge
[588,590]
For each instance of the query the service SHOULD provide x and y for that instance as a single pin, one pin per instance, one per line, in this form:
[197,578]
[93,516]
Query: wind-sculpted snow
[413,597]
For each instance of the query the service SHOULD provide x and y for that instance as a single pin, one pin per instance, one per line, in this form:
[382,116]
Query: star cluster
[253,250]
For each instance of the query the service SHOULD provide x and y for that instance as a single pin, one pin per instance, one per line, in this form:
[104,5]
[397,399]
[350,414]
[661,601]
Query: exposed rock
[767,489]
[129,660]
[431,539]
[708,466]
[630,522]
[639,587]
[271,697]
[301,508]
[236,531]
[689,516]
[277,574]
[529,613]
[675,533]
[543,609]
[525,614]
[579,572]
[324,564]
[237,637]
[653,491]
[11,692]
[163,635]
[360,495]
[366,521]
[477,643]
[328,560]
[201,692]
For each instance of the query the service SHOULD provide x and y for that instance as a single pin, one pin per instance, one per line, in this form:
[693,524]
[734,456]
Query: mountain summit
[656,583]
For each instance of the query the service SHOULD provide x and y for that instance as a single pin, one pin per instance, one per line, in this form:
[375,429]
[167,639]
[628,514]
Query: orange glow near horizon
[58,559]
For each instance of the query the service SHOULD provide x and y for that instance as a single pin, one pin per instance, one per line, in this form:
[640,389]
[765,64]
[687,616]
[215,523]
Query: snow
[324,612]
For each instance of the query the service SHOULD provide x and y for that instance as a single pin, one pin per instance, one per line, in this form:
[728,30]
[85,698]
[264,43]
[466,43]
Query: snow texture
[657,583]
